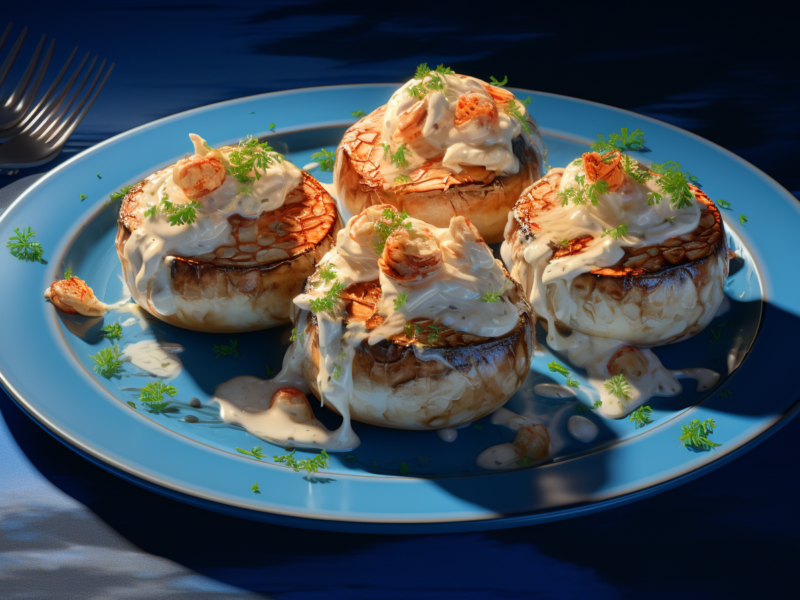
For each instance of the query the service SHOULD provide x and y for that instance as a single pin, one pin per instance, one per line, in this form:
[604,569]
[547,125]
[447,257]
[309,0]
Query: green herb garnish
[131,404]
[296,336]
[337,372]
[403,468]
[23,248]
[724,204]
[99,176]
[350,458]
[68,274]
[106,362]
[620,141]
[358,114]
[401,300]
[558,368]
[123,191]
[223,350]
[434,332]
[513,110]
[384,229]
[250,155]
[255,489]
[82,197]
[743,219]
[641,416]
[582,193]
[617,232]
[491,296]
[619,386]
[328,301]
[402,179]
[112,332]
[496,83]
[725,393]
[311,465]
[153,392]
[671,220]
[436,83]
[695,435]
[254,452]
[327,273]
[399,157]
[572,383]
[633,171]
[674,182]
[325,158]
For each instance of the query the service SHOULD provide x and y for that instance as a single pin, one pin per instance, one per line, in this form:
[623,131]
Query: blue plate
[396,480]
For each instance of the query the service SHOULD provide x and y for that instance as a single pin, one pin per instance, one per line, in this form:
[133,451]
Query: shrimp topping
[476,108]
[411,254]
[72,296]
[294,403]
[362,229]
[198,175]
[532,441]
[596,168]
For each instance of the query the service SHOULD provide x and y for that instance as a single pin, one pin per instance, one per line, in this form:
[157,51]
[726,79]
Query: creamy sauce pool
[150,249]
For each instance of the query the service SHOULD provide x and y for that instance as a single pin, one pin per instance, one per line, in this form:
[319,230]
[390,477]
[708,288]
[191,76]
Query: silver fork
[43,134]
[15,103]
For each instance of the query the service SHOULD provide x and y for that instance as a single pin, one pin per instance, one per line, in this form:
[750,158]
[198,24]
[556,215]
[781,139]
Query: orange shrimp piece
[411,254]
[410,122]
[532,440]
[362,228]
[198,176]
[498,94]
[476,108]
[611,172]
[72,296]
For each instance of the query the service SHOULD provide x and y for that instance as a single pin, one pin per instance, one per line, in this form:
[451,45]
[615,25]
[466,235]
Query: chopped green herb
[617,232]
[725,393]
[580,194]
[477,426]
[99,176]
[743,219]
[358,114]
[350,458]
[641,416]
[154,392]
[23,248]
[403,468]
[564,243]
[106,362]
[491,296]
[675,183]
[269,371]
[399,157]
[255,489]
[328,301]
[112,331]
[402,179]
[341,354]
[68,274]
[254,452]
[654,198]
[387,224]
[620,141]
[435,83]
[325,158]
[558,368]
[150,213]
[311,465]
[434,332]
[123,191]
[82,197]
[572,383]
[223,350]
[724,204]
[633,171]
[131,404]
[715,334]
[272,126]
[494,81]
[513,110]
[327,273]
[671,220]
[619,386]
[181,214]
[597,404]
[401,300]
[337,372]
[695,435]
[251,156]
[296,336]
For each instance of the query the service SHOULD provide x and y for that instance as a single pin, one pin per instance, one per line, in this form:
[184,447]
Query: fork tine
[26,100]
[76,120]
[32,114]
[12,56]
[48,111]
[5,35]
[26,77]
[44,127]
[65,119]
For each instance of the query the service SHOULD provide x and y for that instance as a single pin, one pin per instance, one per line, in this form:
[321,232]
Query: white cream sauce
[470,144]
[156,358]
[553,390]
[448,434]
[245,401]
[582,429]
[150,249]
[504,456]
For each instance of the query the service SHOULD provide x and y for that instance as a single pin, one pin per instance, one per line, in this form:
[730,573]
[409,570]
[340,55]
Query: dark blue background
[729,75]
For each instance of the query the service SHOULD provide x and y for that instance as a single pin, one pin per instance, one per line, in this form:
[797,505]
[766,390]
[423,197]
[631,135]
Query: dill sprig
[251,156]
[311,465]
[436,82]
[23,247]
[616,232]
[401,300]
[695,435]
[674,182]
[327,302]
[641,416]
[114,196]
[633,171]
[497,83]
[254,452]
[402,179]
[112,332]
[620,141]
[386,225]
[106,362]
[491,296]
[176,214]
[398,158]
[325,158]
[328,273]
[619,386]
[584,193]
[513,110]
[224,350]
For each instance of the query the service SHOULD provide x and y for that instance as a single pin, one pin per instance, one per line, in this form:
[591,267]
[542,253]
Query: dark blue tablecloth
[68,529]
